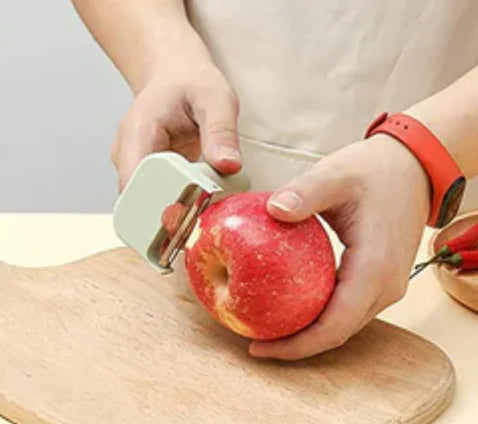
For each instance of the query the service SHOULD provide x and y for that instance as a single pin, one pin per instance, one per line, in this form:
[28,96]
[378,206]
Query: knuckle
[350,181]
[116,145]
[337,334]
[123,123]
[219,128]
[214,89]
[157,127]
[231,96]
[338,340]
[121,135]
[396,293]
[114,156]
[386,269]
[385,276]
[380,266]
[150,130]
[125,128]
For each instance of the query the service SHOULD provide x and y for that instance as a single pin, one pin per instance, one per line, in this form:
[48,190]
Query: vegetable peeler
[160,180]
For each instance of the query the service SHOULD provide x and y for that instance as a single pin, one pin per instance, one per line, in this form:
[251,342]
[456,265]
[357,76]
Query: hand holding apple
[375,195]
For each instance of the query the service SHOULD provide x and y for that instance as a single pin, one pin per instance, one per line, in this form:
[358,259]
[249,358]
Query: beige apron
[311,74]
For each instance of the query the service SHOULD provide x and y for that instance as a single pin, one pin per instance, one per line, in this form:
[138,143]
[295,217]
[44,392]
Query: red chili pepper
[467,240]
[466,260]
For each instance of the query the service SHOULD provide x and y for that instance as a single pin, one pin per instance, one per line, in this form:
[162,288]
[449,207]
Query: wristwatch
[446,179]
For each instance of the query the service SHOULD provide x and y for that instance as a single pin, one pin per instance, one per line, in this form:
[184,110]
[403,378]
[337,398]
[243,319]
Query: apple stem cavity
[220,279]
[221,276]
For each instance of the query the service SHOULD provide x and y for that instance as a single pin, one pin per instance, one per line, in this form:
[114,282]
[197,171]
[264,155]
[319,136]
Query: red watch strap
[435,159]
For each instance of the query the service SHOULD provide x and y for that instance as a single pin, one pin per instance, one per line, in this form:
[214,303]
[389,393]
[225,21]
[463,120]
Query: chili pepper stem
[455,260]
[416,272]
[443,252]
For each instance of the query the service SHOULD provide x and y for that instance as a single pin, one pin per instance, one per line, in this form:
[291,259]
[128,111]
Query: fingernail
[286,201]
[229,153]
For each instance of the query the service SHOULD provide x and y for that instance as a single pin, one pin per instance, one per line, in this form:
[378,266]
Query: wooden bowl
[463,287]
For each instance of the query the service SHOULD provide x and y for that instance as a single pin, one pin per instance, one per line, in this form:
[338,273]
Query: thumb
[320,188]
[216,113]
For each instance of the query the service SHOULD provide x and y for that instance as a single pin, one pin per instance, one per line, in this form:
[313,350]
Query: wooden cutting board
[108,340]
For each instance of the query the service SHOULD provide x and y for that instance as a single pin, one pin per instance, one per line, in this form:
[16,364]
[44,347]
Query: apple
[259,277]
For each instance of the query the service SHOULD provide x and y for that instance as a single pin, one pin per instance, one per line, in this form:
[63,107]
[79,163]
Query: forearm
[452,115]
[140,36]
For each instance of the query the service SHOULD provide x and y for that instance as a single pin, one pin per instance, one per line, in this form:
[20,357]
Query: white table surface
[53,239]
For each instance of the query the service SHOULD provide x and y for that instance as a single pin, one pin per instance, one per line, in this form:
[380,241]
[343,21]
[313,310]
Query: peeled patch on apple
[259,277]
[172,217]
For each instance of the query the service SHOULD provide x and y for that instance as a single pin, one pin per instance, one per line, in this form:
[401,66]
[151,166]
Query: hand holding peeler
[160,180]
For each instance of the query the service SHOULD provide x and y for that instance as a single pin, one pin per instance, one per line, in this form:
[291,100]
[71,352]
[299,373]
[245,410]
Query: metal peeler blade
[160,180]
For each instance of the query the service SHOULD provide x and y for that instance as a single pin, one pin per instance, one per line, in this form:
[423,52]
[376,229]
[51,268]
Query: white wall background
[60,101]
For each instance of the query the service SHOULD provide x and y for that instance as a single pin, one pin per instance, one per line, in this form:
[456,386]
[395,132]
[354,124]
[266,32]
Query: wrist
[408,169]
[445,177]
[426,114]
[174,58]
[451,115]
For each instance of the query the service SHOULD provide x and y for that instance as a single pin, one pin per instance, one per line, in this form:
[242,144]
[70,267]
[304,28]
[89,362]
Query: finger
[378,306]
[354,295]
[320,188]
[372,312]
[390,296]
[135,142]
[216,113]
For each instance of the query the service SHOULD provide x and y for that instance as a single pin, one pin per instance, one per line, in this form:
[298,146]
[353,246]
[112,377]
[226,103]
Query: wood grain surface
[108,340]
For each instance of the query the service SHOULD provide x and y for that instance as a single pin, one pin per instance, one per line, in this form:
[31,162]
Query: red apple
[261,278]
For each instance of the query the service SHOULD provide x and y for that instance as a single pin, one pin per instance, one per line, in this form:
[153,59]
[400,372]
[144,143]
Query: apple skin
[259,277]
